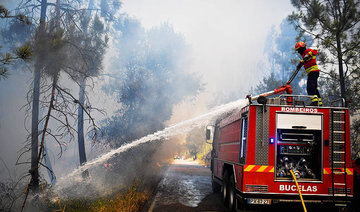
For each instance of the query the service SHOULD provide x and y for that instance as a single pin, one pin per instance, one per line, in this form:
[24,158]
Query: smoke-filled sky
[227,37]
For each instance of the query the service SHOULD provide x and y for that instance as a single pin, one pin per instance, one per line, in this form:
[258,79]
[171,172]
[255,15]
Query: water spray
[176,129]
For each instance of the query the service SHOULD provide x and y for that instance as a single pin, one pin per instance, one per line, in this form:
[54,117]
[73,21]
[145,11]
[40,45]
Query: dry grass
[130,199]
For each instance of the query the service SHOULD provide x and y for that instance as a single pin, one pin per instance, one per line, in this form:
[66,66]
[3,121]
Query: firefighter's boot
[315,101]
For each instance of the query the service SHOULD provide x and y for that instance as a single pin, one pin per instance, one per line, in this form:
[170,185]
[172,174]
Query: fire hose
[284,88]
[297,185]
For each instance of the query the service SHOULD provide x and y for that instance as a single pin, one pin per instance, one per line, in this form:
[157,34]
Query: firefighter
[312,71]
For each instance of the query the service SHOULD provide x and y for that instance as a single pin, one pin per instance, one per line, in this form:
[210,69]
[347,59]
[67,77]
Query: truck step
[340,205]
[339,172]
[340,195]
[339,122]
[339,132]
[339,111]
[339,162]
[339,142]
[339,152]
[340,184]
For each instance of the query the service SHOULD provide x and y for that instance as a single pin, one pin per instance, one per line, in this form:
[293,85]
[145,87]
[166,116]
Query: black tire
[231,194]
[216,187]
[224,188]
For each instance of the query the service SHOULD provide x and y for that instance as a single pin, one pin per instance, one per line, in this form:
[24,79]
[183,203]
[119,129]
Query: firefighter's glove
[299,65]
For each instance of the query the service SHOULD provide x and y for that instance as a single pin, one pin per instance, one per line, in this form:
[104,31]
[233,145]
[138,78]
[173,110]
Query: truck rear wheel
[216,187]
[225,186]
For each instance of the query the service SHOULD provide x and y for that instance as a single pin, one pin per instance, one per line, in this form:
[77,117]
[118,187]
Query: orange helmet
[300,44]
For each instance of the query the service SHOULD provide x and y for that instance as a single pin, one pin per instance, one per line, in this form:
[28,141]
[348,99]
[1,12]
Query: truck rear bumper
[281,198]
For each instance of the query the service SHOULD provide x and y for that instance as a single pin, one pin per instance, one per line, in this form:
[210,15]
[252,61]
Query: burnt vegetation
[67,44]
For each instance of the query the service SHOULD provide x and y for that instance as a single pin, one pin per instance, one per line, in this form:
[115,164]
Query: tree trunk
[35,130]
[38,157]
[341,70]
[35,110]
[81,140]
[52,100]
[82,154]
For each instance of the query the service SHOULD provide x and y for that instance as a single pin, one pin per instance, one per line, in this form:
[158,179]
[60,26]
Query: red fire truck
[255,147]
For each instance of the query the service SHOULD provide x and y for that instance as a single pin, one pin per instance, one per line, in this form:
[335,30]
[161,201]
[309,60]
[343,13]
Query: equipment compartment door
[299,145]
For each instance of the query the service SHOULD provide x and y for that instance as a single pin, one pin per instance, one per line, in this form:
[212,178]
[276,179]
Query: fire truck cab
[255,147]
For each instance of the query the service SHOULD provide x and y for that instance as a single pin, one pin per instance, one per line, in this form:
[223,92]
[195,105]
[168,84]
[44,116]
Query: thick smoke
[227,38]
[150,71]
[148,80]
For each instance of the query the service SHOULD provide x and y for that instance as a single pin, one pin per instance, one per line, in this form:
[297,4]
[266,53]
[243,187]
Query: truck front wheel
[231,193]
[225,186]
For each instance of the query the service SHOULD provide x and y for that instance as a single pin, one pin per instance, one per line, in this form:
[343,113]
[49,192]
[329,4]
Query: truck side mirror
[208,133]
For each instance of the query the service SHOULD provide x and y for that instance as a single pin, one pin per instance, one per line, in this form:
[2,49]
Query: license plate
[259,201]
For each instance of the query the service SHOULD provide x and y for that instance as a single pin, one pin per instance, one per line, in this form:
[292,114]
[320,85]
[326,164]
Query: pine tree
[23,52]
[334,25]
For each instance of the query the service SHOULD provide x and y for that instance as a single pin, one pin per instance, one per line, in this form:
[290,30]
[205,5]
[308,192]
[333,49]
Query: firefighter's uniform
[312,71]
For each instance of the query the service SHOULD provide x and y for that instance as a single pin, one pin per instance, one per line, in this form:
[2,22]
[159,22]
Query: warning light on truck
[272,140]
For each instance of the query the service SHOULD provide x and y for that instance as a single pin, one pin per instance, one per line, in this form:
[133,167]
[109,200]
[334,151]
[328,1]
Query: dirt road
[186,186]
